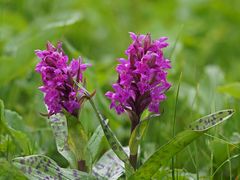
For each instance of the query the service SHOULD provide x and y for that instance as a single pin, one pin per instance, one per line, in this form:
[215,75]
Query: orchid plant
[141,87]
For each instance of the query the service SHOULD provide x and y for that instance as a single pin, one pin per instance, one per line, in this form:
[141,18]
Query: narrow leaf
[112,140]
[115,144]
[211,120]
[178,143]
[42,167]
[94,142]
[59,127]
[136,136]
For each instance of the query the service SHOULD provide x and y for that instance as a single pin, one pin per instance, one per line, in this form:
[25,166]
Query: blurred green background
[204,41]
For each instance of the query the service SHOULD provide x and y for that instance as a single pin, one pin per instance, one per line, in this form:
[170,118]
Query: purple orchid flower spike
[58,79]
[142,76]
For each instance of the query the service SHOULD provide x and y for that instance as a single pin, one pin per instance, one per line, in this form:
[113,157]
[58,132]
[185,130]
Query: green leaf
[9,117]
[115,144]
[78,140]
[94,142]
[136,136]
[211,120]
[59,127]
[178,143]
[109,165]
[112,139]
[20,137]
[42,167]
[14,120]
[232,89]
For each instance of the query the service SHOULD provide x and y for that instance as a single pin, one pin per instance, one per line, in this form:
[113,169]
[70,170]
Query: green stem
[133,157]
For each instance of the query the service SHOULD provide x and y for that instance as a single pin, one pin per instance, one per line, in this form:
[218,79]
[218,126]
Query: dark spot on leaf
[99,166]
[22,161]
[75,173]
[29,170]
[38,166]
[96,174]
[114,146]
[60,176]
[45,169]
[110,157]
[214,117]
[107,136]
[57,169]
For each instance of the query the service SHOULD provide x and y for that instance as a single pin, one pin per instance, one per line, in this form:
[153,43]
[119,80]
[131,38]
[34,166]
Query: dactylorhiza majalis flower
[59,88]
[142,76]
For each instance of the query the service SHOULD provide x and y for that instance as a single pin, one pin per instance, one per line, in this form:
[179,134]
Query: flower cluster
[58,79]
[141,77]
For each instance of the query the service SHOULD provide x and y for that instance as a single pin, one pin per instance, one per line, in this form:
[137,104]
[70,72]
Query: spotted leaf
[42,167]
[59,127]
[109,165]
[211,120]
[175,145]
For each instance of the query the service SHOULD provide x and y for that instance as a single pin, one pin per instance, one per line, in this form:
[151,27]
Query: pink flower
[142,76]
[58,79]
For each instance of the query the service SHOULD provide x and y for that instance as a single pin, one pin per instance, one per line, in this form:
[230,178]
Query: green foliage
[10,119]
[113,141]
[12,141]
[206,53]
[109,165]
[39,166]
[179,142]
[60,130]
[94,143]
[136,136]
[211,120]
